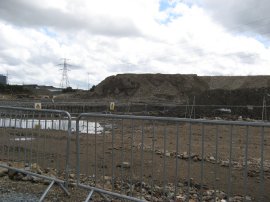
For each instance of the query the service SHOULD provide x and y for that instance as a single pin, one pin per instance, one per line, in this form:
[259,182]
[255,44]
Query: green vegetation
[93,88]
[11,89]
[68,90]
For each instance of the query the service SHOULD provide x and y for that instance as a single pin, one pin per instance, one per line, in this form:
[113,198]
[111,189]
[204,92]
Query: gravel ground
[9,195]
[14,190]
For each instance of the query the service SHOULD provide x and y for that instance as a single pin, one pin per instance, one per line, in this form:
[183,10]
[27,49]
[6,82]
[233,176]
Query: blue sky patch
[163,6]
[48,32]
[264,40]
[170,18]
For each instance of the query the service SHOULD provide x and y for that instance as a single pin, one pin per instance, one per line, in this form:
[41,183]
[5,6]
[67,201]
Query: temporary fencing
[139,158]
[155,158]
[36,143]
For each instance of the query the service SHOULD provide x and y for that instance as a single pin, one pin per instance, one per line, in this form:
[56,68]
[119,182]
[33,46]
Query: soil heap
[224,90]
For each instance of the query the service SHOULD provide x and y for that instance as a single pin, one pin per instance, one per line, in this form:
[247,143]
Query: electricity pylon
[64,83]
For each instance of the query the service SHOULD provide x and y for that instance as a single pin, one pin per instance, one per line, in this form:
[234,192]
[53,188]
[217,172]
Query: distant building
[3,79]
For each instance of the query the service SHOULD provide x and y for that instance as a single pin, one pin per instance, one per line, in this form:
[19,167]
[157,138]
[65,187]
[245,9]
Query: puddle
[84,126]
[24,139]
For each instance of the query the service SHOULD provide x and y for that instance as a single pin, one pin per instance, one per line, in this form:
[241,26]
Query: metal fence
[139,158]
[171,109]
[162,159]
[35,143]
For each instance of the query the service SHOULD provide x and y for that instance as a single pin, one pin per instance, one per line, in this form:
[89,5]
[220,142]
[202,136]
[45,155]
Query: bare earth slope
[236,82]
[180,88]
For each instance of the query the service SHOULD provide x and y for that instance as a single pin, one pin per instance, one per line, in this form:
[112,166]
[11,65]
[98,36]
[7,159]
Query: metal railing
[36,143]
[139,158]
[172,109]
[154,158]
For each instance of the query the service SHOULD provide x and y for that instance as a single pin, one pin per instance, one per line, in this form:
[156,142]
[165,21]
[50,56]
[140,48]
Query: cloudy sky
[108,37]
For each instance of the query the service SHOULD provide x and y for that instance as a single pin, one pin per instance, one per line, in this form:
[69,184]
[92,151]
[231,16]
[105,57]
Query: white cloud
[109,37]
[241,16]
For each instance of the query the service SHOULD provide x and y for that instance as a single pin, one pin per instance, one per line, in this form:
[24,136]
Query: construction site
[185,96]
[139,137]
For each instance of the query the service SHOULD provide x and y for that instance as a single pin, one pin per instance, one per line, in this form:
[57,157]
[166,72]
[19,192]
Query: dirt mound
[236,82]
[155,87]
[179,88]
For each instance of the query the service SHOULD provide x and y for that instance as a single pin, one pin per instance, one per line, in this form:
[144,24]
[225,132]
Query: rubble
[156,193]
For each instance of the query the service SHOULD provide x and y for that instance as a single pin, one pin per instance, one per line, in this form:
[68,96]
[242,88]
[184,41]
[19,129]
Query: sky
[101,38]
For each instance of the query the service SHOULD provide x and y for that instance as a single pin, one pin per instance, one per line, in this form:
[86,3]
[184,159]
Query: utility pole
[64,83]
[7,77]
[264,112]
[88,81]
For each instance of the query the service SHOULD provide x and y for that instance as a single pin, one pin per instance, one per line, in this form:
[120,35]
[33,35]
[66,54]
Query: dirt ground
[154,154]
[36,189]
[129,155]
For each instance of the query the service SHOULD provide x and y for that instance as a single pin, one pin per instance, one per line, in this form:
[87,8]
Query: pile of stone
[34,168]
[254,165]
[182,191]
[186,191]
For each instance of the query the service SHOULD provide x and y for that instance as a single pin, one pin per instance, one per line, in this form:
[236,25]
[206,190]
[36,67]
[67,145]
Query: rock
[53,172]
[51,175]
[103,166]
[46,182]
[170,195]
[148,197]
[18,176]
[252,173]
[72,183]
[17,165]
[27,168]
[207,198]
[107,178]
[180,184]
[36,179]
[210,192]
[193,191]
[195,158]
[167,154]
[158,152]
[221,194]
[72,176]
[35,168]
[11,173]
[225,163]
[185,155]
[3,171]
[236,198]
[144,199]
[180,198]
[47,170]
[195,195]
[27,178]
[157,188]
[124,164]
[212,158]
[113,148]
[107,185]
